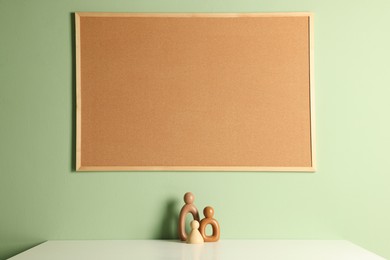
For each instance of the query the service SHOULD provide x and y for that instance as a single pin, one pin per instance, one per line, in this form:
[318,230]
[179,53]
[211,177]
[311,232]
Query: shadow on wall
[167,227]
[16,246]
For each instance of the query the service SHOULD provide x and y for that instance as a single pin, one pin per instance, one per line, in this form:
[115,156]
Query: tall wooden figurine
[189,207]
[209,214]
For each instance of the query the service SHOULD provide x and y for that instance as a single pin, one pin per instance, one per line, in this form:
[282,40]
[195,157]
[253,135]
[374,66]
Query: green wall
[42,198]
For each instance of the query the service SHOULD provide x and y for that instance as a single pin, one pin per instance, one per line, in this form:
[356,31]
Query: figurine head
[208,212]
[194,224]
[189,198]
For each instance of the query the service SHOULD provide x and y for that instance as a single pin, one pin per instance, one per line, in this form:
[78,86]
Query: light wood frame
[79,152]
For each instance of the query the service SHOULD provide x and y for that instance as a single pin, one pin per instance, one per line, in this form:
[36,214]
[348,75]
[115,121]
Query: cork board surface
[194,92]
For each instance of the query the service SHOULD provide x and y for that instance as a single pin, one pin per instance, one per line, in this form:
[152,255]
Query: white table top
[222,250]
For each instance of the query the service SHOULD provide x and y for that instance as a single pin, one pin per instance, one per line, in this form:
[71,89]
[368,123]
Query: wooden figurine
[209,213]
[189,207]
[195,237]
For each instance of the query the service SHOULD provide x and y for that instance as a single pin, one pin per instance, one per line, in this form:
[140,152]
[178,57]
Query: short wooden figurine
[189,207]
[209,214]
[195,237]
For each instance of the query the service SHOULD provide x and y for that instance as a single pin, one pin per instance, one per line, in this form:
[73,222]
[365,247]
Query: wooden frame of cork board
[194,92]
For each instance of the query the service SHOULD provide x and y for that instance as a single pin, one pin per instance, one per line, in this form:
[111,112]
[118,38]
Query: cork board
[194,92]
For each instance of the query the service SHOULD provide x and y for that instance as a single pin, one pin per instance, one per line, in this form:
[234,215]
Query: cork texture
[194,91]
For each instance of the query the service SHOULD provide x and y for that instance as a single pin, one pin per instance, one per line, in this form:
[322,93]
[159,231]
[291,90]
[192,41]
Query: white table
[222,250]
